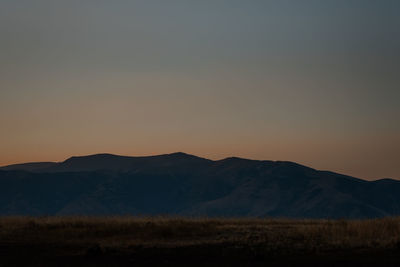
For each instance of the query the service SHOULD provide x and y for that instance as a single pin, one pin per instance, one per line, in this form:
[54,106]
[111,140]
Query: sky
[315,82]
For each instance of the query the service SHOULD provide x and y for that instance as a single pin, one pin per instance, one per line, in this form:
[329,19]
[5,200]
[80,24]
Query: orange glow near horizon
[307,152]
[264,80]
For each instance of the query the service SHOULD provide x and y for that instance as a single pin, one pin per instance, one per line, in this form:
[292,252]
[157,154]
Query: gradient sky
[316,82]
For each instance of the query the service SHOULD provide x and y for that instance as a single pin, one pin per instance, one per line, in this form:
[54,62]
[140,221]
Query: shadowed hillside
[183,184]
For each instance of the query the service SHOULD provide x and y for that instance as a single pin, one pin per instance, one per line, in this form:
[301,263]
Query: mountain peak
[94,156]
[182,154]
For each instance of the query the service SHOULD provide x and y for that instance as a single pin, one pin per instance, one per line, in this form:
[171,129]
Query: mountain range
[187,185]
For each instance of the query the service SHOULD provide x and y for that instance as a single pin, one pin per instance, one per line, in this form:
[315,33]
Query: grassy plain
[169,241]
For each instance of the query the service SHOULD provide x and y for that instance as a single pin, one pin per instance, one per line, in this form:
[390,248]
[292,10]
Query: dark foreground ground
[127,241]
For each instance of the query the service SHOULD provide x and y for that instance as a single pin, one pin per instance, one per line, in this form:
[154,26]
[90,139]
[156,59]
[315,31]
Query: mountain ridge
[187,185]
[27,166]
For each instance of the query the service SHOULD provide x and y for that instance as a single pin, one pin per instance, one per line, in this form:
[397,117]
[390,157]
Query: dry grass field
[168,241]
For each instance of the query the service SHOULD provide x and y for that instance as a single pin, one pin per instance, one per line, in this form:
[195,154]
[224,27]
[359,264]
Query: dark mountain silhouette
[34,166]
[184,184]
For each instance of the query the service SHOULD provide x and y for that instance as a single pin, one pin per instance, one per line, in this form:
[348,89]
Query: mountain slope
[34,166]
[183,184]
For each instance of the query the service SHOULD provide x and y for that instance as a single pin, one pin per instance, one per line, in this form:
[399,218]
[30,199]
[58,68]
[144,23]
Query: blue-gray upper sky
[315,82]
